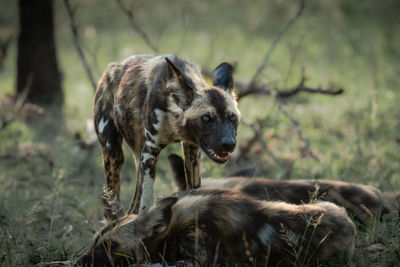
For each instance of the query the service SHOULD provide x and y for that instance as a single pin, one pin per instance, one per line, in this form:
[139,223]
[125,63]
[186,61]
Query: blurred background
[51,167]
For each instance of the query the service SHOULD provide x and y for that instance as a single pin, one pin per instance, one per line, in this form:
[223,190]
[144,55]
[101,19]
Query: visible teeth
[213,154]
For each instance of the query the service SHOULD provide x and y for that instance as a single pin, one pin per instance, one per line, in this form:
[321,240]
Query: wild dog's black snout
[226,140]
[228,143]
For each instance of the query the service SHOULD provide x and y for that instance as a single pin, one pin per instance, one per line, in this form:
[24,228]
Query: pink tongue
[223,155]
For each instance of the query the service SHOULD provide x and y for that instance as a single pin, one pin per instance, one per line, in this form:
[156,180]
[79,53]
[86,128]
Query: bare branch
[282,31]
[136,26]
[75,34]
[256,88]
[302,88]
[263,88]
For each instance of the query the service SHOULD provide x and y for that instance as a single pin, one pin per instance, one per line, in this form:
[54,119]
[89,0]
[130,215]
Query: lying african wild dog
[363,202]
[151,102]
[222,226]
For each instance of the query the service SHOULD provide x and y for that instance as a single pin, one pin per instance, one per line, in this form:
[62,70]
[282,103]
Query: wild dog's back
[247,227]
[320,229]
[130,91]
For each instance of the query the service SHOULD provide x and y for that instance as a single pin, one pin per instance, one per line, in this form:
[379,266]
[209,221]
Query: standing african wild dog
[223,226]
[363,202]
[151,102]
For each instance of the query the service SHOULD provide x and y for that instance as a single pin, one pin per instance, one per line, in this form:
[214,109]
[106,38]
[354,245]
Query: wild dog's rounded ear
[183,80]
[165,205]
[157,218]
[222,76]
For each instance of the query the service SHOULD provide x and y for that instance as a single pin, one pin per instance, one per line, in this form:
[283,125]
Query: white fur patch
[118,109]
[146,176]
[102,124]
[173,107]
[150,144]
[160,116]
[146,200]
[266,233]
[108,145]
[146,157]
[153,137]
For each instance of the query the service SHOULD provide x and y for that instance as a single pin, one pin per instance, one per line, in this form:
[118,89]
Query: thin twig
[303,88]
[54,263]
[18,104]
[258,136]
[216,253]
[297,126]
[282,31]
[136,26]
[78,47]
[295,51]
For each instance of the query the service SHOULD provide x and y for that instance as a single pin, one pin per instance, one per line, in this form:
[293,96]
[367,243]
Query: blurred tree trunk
[37,67]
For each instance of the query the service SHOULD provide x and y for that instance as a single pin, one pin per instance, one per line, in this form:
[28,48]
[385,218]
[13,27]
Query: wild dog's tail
[178,171]
[176,165]
[112,207]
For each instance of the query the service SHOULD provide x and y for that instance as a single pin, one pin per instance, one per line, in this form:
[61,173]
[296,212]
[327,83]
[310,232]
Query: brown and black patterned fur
[224,226]
[151,102]
[363,202]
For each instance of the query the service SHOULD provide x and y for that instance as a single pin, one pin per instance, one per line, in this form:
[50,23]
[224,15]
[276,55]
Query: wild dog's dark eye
[206,118]
[233,118]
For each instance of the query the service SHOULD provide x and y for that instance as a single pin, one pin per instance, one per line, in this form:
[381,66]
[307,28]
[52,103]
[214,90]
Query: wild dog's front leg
[148,164]
[143,197]
[192,165]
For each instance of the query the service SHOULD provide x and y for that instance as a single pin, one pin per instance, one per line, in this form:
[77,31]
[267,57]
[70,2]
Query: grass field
[50,184]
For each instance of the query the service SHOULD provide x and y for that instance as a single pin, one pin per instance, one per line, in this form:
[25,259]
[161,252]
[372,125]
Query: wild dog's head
[129,239]
[208,115]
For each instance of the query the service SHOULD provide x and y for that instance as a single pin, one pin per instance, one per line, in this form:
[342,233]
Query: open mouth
[219,157]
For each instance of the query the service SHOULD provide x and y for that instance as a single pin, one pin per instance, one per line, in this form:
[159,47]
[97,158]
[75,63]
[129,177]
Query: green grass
[50,207]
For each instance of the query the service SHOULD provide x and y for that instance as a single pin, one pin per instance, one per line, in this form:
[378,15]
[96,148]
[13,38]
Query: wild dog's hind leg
[192,165]
[113,157]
